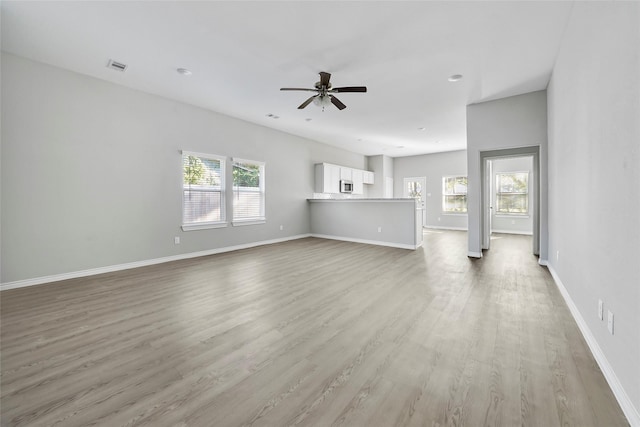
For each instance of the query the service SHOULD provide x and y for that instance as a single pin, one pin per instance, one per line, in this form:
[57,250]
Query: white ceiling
[241,53]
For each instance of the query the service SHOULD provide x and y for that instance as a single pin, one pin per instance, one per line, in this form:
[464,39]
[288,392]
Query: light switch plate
[610,322]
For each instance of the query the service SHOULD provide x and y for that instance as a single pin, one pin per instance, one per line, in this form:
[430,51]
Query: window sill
[242,222]
[513,215]
[455,213]
[193,227]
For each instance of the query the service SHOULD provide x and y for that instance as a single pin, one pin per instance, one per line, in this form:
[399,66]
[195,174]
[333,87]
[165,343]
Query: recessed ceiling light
[308,119]
[184,71]
[455,77]
[422,128]
[438,142]
[400,146]
[272,116]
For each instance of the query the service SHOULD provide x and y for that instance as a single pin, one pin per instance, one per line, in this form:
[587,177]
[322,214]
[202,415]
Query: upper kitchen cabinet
[368,177]
[327,178]
[346,173]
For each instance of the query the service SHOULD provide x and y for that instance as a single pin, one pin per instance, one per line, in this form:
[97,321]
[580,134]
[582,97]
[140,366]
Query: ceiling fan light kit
[324,91]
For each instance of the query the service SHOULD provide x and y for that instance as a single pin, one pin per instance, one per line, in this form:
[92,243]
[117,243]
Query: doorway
[487,198]
[414,188]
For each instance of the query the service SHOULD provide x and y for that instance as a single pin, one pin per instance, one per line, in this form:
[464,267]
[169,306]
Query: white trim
[437,227]
[136,264]
[474,254]
[525,233]
[630,411]
[543,262]
[367,242]
[222,159]
[240,222]
[205,226]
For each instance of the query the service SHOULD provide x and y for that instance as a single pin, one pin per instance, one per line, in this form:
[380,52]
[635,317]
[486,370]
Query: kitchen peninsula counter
[387,222]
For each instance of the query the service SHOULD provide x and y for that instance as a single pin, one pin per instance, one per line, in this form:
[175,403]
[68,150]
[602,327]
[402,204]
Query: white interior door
[414,187]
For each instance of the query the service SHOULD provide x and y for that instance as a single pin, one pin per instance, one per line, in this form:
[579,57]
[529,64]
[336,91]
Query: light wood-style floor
[310,332]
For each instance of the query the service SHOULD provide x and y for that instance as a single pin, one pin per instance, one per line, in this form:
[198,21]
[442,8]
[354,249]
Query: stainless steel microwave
[346,186]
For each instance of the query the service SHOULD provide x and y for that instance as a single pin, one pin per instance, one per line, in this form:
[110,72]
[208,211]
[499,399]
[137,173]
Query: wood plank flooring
[305,333]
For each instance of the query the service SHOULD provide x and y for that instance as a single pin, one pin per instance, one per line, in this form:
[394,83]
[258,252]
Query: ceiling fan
[325,91]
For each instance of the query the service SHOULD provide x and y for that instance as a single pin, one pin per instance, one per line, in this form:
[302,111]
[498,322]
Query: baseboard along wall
[630,411]
[136,264]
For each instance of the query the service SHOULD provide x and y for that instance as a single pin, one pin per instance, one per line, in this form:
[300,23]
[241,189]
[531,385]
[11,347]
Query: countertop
[362,200]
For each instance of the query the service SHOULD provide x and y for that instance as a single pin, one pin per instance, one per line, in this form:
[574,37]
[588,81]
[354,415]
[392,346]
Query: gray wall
[360,220]
[512,223]
[433,167]
[517,121]
[91,173]
[382,167]
[594,177]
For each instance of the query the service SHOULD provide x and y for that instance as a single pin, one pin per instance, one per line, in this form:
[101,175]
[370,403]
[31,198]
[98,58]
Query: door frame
[423,180]
[485,189]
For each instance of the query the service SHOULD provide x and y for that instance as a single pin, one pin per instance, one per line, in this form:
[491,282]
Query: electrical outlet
[379,229]
[281,227]
[600,310]
[557,255]
[176,240]
[610,322]
[513,221]
[438,219]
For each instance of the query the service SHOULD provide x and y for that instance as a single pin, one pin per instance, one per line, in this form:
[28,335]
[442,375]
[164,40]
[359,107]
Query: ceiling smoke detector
[118,66]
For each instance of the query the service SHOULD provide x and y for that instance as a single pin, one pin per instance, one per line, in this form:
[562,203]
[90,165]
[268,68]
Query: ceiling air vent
[115,65]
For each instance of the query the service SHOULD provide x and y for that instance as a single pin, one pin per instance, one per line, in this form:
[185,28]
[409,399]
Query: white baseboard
[118,267]
[437,227]
[474,254]
[543,262]
[525,233]
[368,242]
[630,411]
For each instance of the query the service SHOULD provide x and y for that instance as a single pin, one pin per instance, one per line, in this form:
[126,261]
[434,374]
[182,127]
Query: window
[248,192]
[454,194]
[512,193]
[202,191]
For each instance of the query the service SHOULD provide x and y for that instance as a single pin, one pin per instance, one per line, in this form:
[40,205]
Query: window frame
[445,194]
[262,218]
[499,213]
[222,190]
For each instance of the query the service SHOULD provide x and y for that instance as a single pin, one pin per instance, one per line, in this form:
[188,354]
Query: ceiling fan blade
[298,88]
[324,78]
[307,102]
[349,89]
[335,101]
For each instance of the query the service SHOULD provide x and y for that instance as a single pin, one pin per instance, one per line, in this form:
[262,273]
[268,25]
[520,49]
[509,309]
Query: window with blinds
[202,190]
[512,193]
[248,191]
[454,194]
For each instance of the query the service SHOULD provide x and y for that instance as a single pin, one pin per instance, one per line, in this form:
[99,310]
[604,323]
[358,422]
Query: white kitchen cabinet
[357,176]
[327,178]
[368,177]
[346,173]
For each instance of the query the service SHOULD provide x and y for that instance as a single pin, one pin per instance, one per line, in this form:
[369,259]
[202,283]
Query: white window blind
[248,191]
[512,193]
[202,190]
[454,194]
